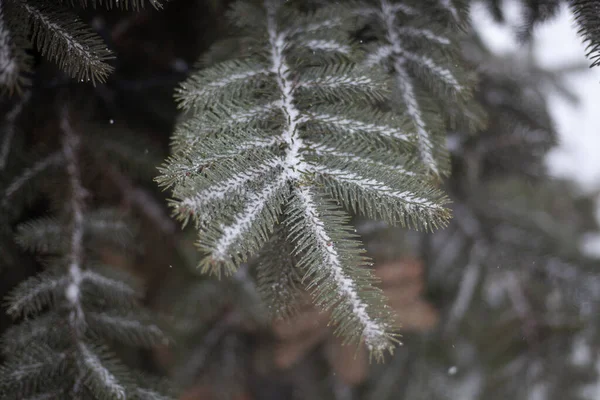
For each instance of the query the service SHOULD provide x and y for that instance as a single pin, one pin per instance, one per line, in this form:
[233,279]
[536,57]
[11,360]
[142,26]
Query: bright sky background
[557,44]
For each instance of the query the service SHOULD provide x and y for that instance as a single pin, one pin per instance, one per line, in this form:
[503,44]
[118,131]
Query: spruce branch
[70,146]
[14,62]
[322,238]
[134,5]
[421,78]
[9,127]
[73,306]
[277,277]
[451,8]
[588,19]
[50,161]
[65,39]
[291,135]
[33,295]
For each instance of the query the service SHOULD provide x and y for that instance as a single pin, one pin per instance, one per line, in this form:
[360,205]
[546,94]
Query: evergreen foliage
[501,270]
[423,61]
[586,16]
[72,312]
[281,137]
[313,133]
[57,33]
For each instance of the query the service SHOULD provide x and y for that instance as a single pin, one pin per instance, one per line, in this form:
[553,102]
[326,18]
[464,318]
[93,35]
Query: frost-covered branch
[287,120]
[405,84]
[331,263]
[417,72]
[70,148]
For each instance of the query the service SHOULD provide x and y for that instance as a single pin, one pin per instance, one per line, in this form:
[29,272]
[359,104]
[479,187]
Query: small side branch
[9,121]
[70,147]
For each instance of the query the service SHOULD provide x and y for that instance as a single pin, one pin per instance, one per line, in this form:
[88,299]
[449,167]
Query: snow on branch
[395,50]
[99,374]
[225,188]
[373,331]
[68,41]
[294,116]
[414,112]
[448,6]
[365,183]
[327,45]
[70,148]
[349,125]
[245,221]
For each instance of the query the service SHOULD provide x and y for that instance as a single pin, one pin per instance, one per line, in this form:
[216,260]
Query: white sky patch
[556,44]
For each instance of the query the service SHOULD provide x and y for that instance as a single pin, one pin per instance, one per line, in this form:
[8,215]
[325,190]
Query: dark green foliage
[587,16]
[16,63]
[425,66]
[537,12]
[277,137]
[75,309]
[59,34]
[66,40]
[120,4]
[278,278]
[288,140]
[508,272]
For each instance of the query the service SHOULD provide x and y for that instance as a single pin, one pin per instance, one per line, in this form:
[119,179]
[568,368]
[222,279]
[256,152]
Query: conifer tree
[281,137]
[314,136]
[74,306]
